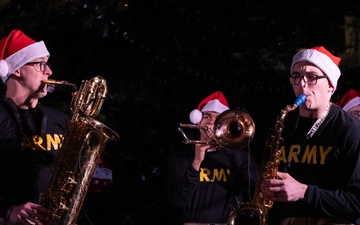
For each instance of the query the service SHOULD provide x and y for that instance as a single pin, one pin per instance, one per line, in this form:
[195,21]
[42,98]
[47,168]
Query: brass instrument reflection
[233,130]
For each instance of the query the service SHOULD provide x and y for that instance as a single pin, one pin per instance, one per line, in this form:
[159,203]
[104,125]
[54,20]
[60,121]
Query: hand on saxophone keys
[283,189]
[27,213]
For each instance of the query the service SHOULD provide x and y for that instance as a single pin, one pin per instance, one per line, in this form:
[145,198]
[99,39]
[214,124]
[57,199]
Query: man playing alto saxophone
[320,152]
[30,133]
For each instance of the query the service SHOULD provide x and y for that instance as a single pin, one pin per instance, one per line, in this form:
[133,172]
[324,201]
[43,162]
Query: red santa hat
[17,49]
[321,58]
[216,102]
[349,100]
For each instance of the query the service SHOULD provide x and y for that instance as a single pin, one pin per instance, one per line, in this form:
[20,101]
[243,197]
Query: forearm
[337,203]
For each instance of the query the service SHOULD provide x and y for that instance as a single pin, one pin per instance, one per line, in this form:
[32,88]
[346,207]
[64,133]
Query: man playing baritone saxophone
[203,183]
[320,152]
[30,133]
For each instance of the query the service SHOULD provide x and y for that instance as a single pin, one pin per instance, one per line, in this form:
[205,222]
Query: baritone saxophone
[256,211]
[75,162]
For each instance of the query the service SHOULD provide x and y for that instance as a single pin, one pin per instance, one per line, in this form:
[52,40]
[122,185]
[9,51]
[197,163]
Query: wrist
[196,164]
[306,192]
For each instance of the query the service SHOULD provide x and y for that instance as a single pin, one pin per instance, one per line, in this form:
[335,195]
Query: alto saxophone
[256,212]
[75,162]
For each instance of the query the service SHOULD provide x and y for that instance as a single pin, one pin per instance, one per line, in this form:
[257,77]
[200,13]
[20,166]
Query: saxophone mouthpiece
[300,100]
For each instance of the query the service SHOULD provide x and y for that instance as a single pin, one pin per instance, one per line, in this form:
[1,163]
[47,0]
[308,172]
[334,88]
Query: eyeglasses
[309,78]
[355,113]
[39,66]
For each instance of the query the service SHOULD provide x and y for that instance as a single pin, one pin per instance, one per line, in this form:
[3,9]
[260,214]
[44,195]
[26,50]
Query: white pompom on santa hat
[16,50]
[322,58]
[349,100]
[216,102]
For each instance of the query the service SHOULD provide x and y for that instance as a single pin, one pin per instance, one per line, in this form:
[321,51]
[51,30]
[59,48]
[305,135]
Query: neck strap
[318,122]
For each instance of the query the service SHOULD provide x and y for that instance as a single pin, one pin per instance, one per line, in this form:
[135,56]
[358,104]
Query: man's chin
[42,94]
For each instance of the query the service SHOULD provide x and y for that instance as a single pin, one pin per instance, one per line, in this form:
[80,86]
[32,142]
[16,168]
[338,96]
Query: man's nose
[48,71]
[302,82]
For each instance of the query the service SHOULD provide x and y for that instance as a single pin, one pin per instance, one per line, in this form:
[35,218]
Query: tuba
[233,130]
[75,162]
[256,212]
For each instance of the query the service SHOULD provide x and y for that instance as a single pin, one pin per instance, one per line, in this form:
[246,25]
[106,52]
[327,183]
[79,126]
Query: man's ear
[331,88]
[17,73]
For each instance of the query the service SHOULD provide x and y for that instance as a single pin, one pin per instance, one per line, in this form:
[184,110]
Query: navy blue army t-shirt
[28,141]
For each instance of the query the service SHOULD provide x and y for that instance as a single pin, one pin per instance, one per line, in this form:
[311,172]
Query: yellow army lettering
[206,175]
[309,156]
[37,141]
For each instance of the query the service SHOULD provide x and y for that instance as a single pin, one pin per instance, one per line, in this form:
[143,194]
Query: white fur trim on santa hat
[214,106]
[195,116]
[320,60]
[21,57]
[352,103]
[4,69]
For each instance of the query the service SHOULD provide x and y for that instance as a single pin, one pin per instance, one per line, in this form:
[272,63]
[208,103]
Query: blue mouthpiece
[300,100]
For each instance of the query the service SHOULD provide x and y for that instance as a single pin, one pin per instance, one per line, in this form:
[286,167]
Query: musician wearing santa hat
[30,132]
[319,166]
[203,181]
[350,102]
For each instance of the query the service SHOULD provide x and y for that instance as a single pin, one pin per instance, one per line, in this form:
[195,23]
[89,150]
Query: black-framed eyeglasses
[39,66]
[309,78]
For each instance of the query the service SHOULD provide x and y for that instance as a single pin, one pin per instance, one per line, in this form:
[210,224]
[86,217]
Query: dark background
[161,58]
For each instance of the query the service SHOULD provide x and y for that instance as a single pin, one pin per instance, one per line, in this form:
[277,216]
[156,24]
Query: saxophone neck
[53,83]
[298,102]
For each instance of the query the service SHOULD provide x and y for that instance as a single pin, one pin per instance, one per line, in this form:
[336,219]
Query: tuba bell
[234,129]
